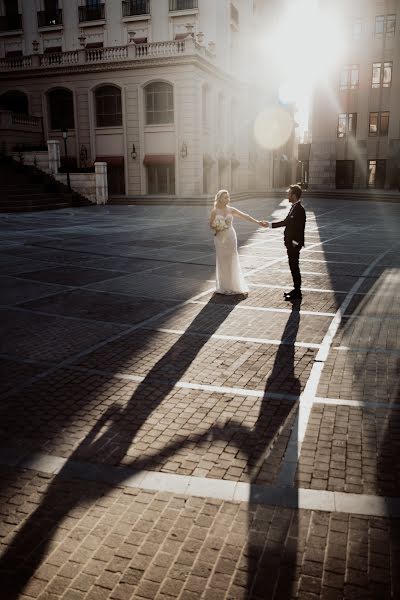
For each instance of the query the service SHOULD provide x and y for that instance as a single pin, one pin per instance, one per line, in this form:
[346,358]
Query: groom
[294,225]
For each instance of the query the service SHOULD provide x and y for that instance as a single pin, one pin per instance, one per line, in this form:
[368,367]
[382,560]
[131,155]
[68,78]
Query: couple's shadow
[260,444]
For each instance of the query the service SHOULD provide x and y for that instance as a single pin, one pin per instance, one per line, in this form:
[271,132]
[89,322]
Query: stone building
[158,89]
[356,115]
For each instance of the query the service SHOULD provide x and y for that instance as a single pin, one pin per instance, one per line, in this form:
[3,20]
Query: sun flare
[306,44]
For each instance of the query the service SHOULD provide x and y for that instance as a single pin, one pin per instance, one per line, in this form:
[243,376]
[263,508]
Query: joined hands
[263,223]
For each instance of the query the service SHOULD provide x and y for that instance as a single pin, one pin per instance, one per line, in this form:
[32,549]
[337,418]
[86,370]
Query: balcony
[91,13]
[183,5]
[133,8]
[10,23]
[47,18]
[113,55]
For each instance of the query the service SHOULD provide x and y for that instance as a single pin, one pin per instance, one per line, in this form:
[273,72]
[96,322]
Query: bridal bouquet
[219,224]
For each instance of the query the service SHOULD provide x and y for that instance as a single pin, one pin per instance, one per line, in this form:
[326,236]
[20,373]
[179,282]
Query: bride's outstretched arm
[242,215]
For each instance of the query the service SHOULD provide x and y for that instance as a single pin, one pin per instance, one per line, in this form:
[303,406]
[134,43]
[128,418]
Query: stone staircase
[25,189]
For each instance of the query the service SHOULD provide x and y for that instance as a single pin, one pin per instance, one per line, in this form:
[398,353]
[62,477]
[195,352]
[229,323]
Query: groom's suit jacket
[294,225]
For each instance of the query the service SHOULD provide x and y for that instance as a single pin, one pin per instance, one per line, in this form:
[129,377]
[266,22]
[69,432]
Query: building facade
[158,89]
[356,114]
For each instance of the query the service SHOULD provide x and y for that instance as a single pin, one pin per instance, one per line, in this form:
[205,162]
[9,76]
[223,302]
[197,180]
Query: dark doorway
[344,174]
[115,174]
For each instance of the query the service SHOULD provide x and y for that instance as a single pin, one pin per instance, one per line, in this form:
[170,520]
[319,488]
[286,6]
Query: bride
[230,279]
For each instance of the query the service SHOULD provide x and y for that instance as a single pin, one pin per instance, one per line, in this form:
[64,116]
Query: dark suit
[294,225]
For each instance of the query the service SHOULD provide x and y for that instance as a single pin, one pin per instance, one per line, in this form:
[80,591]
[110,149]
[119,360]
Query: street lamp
[65,135]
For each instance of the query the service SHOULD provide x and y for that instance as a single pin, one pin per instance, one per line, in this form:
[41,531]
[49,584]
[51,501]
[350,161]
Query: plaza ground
[161,442]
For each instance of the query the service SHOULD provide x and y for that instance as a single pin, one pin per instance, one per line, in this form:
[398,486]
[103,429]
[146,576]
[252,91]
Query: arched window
[108,106]
[159,103]
[61,109]
[15,101]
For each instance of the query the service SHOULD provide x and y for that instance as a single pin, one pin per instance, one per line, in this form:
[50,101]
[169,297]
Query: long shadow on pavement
[35,535]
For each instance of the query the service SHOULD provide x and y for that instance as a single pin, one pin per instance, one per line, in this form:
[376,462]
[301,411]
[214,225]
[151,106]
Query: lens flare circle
[273,127]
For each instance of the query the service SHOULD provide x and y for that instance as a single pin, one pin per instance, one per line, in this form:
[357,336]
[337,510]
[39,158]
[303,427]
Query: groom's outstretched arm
[275,224]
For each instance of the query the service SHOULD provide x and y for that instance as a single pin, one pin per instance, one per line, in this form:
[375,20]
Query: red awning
[12,53]
[52,49]
[94,45]
[159,159]
[142,40]
[182,36]
[113,161]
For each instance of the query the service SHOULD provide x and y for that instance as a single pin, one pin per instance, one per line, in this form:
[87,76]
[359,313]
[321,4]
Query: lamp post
[65,135]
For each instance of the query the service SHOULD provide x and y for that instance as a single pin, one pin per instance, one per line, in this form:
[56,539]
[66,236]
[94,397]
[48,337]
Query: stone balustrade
[29,121]
[102,55]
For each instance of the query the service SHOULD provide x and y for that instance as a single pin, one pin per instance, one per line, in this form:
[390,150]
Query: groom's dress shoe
[287,294]
[295,295]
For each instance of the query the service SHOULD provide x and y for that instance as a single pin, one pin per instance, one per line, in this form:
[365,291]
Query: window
[15,101]
[385,25]
[61,108]
[161,179]
[357,29]
[381,74]
[378,123]
[135,7]
[384,123]
[108,106]
[387,74]
[92,10]
[10,19]
[349,77]
[390,25]
[182,4]
[376,173]
[159,103]
[347,124]
[373,123]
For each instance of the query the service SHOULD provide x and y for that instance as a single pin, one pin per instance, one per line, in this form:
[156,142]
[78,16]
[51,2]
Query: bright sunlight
[306,43]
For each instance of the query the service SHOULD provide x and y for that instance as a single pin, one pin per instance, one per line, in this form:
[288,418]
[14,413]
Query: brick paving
[212,402]
[352,449]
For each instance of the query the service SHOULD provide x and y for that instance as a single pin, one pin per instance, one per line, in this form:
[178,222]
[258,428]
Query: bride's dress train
[229,275]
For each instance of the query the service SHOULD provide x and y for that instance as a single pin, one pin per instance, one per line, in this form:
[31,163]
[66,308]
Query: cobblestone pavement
[161,442]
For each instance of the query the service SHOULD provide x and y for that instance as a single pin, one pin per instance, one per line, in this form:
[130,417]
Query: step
[38,200]
[4,209]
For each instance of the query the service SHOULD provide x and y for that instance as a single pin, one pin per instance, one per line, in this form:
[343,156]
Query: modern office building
[158,89]
[356,114]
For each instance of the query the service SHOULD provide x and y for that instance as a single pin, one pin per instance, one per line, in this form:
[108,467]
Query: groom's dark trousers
[293,256]
[294,225]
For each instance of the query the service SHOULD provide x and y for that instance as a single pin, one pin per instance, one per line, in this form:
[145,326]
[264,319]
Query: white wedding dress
[229,276]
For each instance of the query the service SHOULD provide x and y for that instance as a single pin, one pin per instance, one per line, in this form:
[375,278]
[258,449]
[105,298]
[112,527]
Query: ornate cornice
[114,66]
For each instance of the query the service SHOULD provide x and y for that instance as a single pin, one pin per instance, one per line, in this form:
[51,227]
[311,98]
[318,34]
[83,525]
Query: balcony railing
[112,54]
[47,18]
[11,23]
[183,4]
[135,7]
[91,13]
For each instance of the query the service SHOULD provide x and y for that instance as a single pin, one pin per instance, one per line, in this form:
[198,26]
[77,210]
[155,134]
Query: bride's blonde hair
[219,199]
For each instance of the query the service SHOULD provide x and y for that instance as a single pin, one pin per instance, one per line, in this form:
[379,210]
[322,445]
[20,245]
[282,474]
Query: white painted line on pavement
[235,338]
[357,403]
[272,310]
[289,463]
[204,487]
